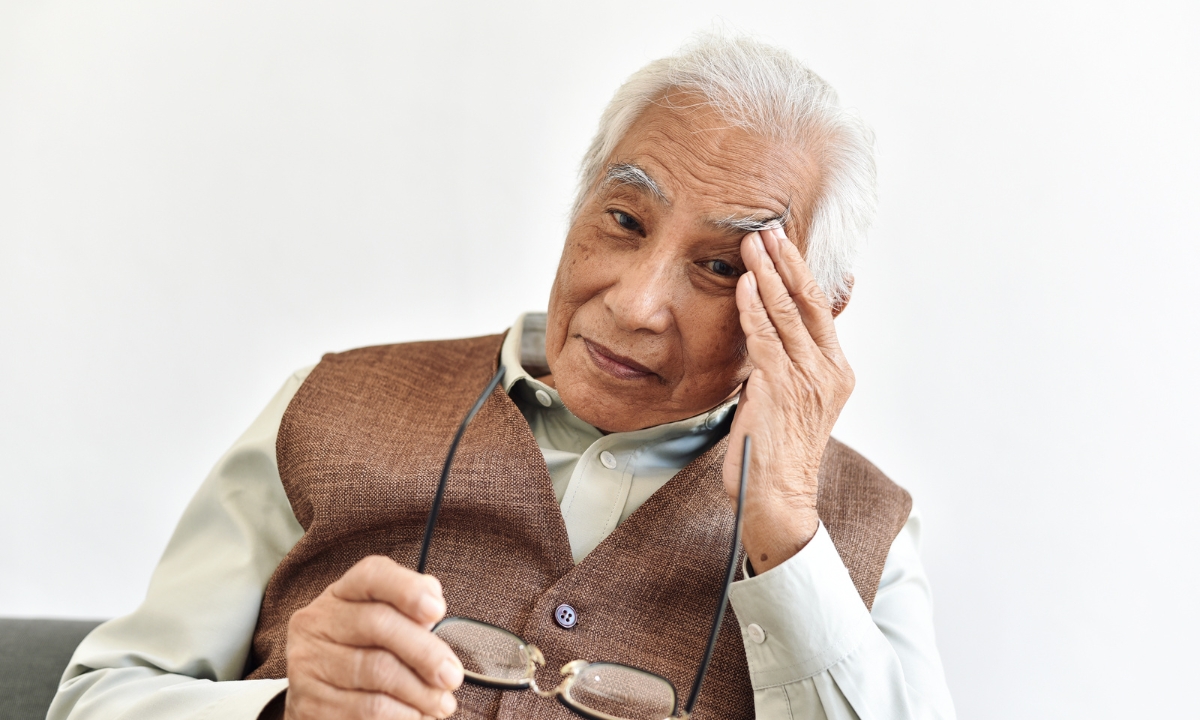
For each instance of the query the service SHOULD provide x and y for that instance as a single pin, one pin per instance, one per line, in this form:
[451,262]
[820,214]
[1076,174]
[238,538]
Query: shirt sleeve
[182,653]
[816,653]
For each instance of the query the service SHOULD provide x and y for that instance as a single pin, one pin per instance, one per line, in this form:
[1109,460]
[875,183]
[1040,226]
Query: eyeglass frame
[533,655]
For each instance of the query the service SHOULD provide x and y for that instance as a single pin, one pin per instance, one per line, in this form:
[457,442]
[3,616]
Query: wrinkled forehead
[688,157]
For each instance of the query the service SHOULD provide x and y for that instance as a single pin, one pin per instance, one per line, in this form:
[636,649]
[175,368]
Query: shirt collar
[524,349]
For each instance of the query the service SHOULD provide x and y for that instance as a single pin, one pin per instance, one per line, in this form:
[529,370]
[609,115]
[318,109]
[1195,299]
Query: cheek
[580,278]
[587,269]
[580,271]
[715,341]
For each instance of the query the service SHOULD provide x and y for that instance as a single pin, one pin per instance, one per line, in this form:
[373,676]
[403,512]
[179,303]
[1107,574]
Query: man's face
[643,327]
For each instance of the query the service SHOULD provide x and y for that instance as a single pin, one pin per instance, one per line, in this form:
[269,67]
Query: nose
[641,299]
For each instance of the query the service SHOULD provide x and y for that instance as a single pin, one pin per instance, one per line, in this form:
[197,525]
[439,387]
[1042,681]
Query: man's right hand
[363,648]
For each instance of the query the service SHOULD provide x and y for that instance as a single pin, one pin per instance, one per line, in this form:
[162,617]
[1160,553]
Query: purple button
[565,616]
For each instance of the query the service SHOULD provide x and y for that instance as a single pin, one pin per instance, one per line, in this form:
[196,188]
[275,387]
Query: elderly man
[589,509]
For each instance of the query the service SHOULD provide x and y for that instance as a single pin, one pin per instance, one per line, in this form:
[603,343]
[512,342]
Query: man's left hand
[799,383]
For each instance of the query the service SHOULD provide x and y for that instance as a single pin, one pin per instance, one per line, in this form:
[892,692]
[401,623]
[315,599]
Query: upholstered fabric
[33,655]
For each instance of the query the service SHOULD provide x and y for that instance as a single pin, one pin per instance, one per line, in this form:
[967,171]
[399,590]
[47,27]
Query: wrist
[773,533]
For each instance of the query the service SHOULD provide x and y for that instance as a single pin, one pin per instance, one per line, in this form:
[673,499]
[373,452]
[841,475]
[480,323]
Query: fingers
[777,303]
[381,579]
[375,624]
[803,289]
[376,670]
[364,648]
[417,597]
[762,340]
[326,701]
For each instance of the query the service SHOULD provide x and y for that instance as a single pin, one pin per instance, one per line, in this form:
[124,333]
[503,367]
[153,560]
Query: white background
[197,198]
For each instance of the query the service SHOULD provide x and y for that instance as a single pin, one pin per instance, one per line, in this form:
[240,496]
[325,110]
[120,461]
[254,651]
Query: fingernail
[450,675]
[431,607]
[449,704]
[757,242]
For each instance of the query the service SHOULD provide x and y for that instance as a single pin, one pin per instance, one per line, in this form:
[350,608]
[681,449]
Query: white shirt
[813,649]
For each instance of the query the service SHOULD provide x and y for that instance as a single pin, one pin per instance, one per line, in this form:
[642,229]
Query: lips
[615,364]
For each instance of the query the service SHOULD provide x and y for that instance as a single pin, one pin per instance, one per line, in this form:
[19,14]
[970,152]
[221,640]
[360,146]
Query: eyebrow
[753,223]
[632,175]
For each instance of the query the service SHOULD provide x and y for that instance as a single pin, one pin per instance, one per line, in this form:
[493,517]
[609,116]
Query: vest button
[565,616]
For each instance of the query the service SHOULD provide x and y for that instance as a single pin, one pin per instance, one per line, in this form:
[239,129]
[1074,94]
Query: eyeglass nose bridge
[534,660]
[569,672]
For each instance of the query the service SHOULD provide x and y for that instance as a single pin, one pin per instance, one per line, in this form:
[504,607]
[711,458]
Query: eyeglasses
[494,657]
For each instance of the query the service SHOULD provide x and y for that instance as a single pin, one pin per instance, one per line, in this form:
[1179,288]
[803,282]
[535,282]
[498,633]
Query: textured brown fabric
[863,511]
[360,449]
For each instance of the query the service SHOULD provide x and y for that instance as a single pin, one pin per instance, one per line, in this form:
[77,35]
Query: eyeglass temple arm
[441,488]
[733,556]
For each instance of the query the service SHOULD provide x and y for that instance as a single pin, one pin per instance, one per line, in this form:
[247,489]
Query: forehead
[705,164]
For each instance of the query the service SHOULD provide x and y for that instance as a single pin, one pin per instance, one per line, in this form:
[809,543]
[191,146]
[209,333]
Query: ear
[840,305]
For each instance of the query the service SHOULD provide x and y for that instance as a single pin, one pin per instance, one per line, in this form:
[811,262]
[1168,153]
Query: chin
[589,404]
[600,408]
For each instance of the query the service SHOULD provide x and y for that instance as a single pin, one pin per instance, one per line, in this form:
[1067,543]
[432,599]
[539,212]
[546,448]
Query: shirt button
[607,459]
[756,633]
[713,421]
[543,397]
[565,616]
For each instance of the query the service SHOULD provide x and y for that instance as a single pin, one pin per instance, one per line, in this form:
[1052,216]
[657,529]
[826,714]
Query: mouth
[618,366]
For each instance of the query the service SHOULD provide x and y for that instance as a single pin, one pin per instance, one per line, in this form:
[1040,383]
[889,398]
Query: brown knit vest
[360,450]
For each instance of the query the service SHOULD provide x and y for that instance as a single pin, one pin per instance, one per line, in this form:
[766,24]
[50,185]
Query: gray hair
[767,91]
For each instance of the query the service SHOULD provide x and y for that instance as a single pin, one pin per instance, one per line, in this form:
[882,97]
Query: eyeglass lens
[622,692]
[493,654]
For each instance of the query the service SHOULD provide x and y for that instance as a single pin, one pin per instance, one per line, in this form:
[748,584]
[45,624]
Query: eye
[626,221]
[722,268]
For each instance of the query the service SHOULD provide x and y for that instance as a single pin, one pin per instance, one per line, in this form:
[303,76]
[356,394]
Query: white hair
[767,91]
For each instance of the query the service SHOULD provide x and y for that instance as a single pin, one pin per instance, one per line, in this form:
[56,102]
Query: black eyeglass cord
[733,556]
[441,489]
[733,549]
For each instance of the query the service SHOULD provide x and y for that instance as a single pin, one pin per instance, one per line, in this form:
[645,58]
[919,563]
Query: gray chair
[33,655]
